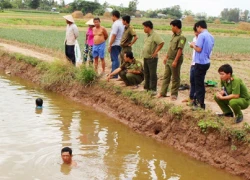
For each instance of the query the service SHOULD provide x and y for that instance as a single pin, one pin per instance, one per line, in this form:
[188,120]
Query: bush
[85,75]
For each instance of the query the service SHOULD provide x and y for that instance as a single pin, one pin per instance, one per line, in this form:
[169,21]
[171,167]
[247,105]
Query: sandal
[173,98]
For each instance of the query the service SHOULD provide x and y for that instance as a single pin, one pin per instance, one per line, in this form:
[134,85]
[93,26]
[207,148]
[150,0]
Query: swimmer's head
[66,154]
[39,102]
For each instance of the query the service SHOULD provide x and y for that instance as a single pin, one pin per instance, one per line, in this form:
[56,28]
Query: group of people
[133,72]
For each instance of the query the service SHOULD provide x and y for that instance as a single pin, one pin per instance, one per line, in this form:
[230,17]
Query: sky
[210,7]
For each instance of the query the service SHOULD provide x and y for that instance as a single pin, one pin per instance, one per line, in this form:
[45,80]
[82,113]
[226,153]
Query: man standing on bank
[234,94]
[114,49]
[173,61]
[71,35]
[131,71]
[152,45]
[100,37]
[203,48]
[129,37]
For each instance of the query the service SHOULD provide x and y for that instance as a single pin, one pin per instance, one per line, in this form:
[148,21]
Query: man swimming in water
[66,154]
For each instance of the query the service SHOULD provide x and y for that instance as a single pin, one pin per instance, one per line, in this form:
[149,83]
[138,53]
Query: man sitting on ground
[66,154]
[234,95]
[131,71]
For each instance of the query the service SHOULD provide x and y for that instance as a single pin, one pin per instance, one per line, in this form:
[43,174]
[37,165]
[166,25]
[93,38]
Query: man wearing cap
[71,35]
[100,36]
[131,71]
[89,41]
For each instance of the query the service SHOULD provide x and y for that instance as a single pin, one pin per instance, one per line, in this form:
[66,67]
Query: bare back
[100,35]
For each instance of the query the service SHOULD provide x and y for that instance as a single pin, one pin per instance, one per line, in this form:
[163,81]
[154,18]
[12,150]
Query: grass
[57,72]
[53,39]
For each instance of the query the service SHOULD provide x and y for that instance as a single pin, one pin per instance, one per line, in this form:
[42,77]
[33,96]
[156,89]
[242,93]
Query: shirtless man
[100,36]
[66,154]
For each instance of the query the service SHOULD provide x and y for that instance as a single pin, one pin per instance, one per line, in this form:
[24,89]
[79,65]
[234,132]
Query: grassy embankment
[228,48]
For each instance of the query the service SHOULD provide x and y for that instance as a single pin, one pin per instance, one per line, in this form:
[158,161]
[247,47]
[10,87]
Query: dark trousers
[130,79]
[150,76]
[70,53]
[199,78]
[115,51]
[192,83]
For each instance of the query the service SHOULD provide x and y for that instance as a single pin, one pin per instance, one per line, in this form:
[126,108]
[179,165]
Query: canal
[104,148]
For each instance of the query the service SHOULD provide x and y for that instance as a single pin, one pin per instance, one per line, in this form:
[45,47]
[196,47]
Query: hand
[109,49]
[192,44]
[130,44]
[174,64]
[222,92]
[154,55]
[165,61]
[218,95]
[129,71]
[108,77]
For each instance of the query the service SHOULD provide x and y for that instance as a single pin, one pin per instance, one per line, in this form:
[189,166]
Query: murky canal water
[104,148]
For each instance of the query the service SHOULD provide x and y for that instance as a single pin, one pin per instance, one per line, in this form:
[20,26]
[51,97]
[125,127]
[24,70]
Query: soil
[183,134]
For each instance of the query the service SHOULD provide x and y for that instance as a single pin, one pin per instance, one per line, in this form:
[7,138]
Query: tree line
[174,12]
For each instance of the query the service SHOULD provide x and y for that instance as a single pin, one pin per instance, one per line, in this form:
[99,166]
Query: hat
[90,22]
[69,18]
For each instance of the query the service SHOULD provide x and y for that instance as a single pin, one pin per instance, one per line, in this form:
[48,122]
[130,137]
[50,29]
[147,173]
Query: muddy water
[31,141]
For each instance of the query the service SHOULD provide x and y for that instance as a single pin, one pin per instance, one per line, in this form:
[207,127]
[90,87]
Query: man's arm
[116,71]
[196,48]
[229,97]
[158,48]
[76,32]
[177,57]
[112,40]
[133,71]
[105,33]
[134,40]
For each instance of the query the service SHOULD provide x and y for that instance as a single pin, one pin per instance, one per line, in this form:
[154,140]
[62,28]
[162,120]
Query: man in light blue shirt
[115,37]
[203,48]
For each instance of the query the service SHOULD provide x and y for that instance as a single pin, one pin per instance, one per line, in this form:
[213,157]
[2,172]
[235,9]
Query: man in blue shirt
[203,48]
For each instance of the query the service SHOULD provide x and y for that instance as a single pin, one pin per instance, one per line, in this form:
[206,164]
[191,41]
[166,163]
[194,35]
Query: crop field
[231,44]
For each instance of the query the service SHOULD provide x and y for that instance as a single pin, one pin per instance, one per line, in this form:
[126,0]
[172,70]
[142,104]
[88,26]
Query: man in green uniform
[131,71]
[234,95]
[173,61]
[152,45]
[129,37]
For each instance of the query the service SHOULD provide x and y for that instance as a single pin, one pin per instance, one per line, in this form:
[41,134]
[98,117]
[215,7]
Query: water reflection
[103,148]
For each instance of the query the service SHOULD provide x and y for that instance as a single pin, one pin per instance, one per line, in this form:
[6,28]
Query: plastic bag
[78,52]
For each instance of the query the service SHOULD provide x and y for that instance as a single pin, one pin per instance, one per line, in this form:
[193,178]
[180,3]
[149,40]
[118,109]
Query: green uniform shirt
[127,36]
[236,86]
[177,41]
[135,65]
[150,43]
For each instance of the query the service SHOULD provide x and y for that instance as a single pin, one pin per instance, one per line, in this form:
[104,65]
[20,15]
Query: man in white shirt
[192,96]
[115,40]
[71,35]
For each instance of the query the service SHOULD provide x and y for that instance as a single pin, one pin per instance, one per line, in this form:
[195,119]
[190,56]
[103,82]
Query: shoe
[153,93]
[239,119]
[226,114]
[184,87]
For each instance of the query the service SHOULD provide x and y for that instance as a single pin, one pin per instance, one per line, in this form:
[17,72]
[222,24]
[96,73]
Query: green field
[48,31]
[224,46]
